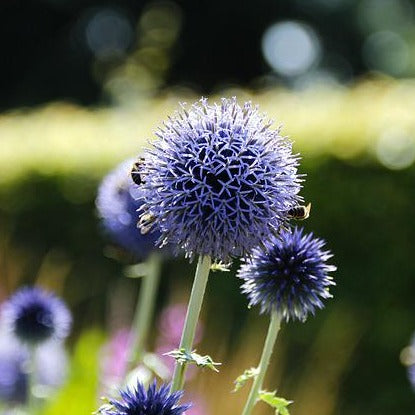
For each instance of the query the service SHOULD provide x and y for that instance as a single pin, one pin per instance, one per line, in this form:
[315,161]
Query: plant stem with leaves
[273,329]
[144,311]
[192,317]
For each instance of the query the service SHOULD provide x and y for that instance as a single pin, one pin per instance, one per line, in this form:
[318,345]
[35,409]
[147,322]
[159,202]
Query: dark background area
[46,55]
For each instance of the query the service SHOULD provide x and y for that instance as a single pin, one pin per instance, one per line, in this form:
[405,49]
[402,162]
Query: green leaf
[242,379]
[182,357]
[220,266]
[279,404]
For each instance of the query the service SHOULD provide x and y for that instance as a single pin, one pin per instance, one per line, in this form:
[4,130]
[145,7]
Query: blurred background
[83,85]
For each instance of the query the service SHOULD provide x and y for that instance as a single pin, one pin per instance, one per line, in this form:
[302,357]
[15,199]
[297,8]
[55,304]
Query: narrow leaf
[182,356]
[242,379]
[279,404]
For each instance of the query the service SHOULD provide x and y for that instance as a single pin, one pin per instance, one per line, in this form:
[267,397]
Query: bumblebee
[135,171]
[145,223]
[300,212]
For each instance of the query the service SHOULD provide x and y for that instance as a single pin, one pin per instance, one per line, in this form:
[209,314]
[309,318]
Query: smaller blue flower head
[117,203]
[50,368]
[34,316]
[13,379]
[139,401]
[290,276]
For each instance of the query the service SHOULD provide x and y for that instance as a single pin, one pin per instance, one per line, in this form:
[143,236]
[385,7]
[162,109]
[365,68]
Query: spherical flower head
[290,275]
[117,203]
[219,179]
[34,316]
[139,401]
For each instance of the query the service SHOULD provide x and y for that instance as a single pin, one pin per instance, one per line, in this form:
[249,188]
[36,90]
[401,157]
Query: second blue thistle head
[117,203]
[34,316]
[290,275]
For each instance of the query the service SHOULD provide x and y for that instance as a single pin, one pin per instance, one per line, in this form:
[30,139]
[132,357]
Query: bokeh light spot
[387,52]
[291,48]
[109,33]
[395,149]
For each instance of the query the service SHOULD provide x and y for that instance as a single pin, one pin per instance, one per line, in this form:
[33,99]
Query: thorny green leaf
[220,266]
[279,404]
[182,356]
[242,379]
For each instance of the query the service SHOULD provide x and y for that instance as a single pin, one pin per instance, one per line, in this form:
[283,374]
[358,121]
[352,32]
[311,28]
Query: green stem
[192,317]
[144,311]
[273,329]
[31,380]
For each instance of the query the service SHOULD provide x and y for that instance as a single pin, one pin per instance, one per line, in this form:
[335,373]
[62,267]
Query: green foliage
[80,392]
[182,357]
[279,404]
[220,266]
[247,375]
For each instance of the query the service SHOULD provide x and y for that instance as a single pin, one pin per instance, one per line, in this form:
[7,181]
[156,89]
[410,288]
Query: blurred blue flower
[117,202]
[289,275]
[13,379]
[411,375]
[50,368]
[218,180]
[34,316]
[139,401]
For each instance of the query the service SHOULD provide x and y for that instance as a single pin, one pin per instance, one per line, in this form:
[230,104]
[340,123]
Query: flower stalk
[144,311]
[192,317]
[273,329]
[31,380]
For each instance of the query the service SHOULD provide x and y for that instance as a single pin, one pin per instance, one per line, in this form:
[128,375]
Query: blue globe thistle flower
[34,316]
[411,375]
[290,276]
[13,379]
[117,202]
[139,401]
[50,368]
[218,180]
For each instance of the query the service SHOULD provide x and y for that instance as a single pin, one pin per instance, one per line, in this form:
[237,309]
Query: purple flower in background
[411,375]
[50,368]
[219,180]
[115,358]
[13,380]
[117,202]
[408,358]
[139,401]
[34,316]
[171,324]
[170,331]
[290,276]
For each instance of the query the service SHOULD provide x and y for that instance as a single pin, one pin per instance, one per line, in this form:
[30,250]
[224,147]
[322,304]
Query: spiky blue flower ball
[290,275]
[34,316]
[219,180]
[117,203]
[139,401]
